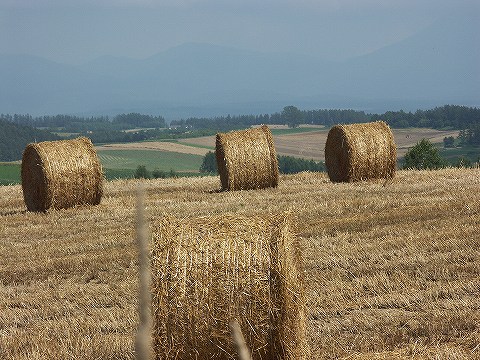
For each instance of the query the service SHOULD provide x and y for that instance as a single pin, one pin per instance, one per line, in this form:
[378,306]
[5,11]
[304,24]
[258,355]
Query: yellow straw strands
[360,152]
[210,271]
[61,174]
[247,159]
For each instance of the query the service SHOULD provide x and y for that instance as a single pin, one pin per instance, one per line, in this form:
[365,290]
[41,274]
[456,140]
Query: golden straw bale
[247,159]
[61,174]
[360,152]
[210,271]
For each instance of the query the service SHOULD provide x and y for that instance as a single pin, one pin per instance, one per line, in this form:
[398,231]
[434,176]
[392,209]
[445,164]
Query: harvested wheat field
[392,269]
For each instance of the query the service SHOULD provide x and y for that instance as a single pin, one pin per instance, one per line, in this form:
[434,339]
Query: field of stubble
[392,269]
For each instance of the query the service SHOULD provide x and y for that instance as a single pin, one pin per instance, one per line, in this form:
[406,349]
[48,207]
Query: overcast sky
[76,31]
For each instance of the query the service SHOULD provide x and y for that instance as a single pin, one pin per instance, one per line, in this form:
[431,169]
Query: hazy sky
[76,31]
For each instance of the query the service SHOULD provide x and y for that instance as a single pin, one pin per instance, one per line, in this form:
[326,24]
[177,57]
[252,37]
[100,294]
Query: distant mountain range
[438,65]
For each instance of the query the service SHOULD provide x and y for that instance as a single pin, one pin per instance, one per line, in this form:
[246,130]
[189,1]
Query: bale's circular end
[34,182]
[337,151]
[247,159]
[360,152]
[61,174]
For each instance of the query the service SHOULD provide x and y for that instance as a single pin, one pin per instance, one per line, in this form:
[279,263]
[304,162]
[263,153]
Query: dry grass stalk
[247,159]
[360,152]
[209,271]
[61,174]
[143,349]
[242,348]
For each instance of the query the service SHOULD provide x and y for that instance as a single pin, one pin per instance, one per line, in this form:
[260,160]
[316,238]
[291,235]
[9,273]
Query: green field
[128,160]
[9,173]
[119,164]
[472,153]
[122,163]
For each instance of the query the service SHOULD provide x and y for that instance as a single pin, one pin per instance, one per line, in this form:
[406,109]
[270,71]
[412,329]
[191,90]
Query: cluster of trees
[290,115]
[444,117]
[136,120]
[426,156]
[143,173]
[286,164]
[14,138]
[448,116]
[293,165]
[69,123]
[103,136]
[470,136]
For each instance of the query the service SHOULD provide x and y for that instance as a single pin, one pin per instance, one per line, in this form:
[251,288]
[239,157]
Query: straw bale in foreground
[247,159]
[360,152]
[209,271]
[61,174]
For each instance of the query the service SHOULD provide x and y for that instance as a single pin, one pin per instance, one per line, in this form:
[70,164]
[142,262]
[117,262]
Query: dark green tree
[449,142]
[463,162]
[141,172]
[159,174]
[424,155]
[292,165]
[292,116]
[209,164]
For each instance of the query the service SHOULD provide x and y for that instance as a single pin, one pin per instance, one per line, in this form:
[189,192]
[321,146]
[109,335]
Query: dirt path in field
[156,145]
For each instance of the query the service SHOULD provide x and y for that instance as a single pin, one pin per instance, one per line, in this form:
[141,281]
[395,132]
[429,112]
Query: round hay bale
[209,271]
[61,174]
[360,152]
[247,159]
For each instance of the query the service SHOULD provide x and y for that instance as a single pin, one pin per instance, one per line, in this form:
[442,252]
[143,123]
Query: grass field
[121,164]
[471,153]
[9,173]
[392,269]
[162,160]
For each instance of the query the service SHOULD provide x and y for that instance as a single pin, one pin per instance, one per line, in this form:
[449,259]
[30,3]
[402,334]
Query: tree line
[470,136]
[77,124]
[290,115]
[103,129]
[444,117]
[14,138]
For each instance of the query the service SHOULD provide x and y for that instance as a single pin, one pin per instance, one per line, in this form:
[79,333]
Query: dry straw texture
[360,152]
[247,159]
[209,271]
[61,174]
